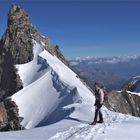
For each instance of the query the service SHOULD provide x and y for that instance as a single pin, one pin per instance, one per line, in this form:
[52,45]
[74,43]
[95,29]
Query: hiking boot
[93,123]
[100,121]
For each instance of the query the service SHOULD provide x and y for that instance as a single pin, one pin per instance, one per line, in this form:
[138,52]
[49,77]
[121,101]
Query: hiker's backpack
[105,94]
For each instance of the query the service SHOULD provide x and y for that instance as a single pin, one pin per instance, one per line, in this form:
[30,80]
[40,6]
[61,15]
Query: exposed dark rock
[9,81]
[17,38]
[59,55]
[9,117]
[3,116]
[124,102]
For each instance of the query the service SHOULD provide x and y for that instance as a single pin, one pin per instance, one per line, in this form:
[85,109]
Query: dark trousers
[98,113]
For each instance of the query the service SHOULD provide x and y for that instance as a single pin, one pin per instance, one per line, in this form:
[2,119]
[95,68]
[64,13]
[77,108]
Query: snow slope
[50,87]
[116,127]
[58,106]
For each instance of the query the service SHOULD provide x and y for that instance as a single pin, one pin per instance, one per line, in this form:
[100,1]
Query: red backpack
[105,94]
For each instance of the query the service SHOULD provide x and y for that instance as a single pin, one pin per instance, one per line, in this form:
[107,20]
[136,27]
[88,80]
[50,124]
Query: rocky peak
[55,50]
[17,16]
[20,32]
[17,37]
[16,47]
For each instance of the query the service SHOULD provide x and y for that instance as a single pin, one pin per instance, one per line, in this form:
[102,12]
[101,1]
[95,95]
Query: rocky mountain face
[125,101]
[9,117]
[16,47]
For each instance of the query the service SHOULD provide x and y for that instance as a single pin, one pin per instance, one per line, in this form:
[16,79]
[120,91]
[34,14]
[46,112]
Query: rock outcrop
[125,101]
[58,54]
[9,117]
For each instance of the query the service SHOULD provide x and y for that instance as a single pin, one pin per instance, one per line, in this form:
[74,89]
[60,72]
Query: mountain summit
[16,47]
[35,76]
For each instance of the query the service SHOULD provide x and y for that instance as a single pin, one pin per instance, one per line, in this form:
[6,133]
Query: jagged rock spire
[17,16]
[17,37]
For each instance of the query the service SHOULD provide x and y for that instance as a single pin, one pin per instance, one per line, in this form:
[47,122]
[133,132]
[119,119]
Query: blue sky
[84,27]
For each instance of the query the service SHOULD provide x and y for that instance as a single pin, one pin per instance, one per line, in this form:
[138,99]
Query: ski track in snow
[89,132]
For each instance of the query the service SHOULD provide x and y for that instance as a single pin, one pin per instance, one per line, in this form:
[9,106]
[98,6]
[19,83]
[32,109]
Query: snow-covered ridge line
[136,77]
[33,70]
[50,88]
[135,93]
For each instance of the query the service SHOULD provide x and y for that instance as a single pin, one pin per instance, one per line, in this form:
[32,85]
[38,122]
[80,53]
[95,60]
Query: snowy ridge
[133,93]
[48,86]
[33,70]
[58,106]
[136,77]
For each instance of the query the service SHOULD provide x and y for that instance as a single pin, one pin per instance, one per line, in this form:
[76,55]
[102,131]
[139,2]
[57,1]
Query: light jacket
[99,96]
[101,92]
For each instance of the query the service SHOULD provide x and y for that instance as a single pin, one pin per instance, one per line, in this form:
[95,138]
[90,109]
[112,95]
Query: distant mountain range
[101,60]
[113,72]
